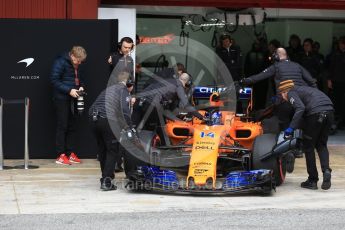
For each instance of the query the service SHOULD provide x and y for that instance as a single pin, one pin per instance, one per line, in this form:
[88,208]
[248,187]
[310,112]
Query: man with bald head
[164,93]
[283,69]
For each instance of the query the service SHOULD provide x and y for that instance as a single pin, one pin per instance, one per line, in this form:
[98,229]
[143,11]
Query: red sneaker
[74,159]
[63,160]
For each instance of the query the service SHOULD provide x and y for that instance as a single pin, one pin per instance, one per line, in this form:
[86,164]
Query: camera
[80,106]
[81,93]
[322,117]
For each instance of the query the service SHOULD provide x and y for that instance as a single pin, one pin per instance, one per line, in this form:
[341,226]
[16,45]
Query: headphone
[129,83]
[125,39]
[276,57]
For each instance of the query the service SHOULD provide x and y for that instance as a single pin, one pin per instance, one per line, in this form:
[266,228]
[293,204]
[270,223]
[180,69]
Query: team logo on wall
[24,76]
[28,61]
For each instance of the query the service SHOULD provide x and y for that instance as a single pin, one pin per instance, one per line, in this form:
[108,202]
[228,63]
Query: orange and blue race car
[227,153]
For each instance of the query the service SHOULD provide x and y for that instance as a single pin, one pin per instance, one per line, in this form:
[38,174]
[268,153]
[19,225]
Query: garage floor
[75,189]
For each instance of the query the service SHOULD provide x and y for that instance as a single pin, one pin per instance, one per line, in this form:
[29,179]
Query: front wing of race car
[148,178]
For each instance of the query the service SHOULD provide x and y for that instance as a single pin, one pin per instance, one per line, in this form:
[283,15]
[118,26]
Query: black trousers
[65,128]
[315,135]
[108,147]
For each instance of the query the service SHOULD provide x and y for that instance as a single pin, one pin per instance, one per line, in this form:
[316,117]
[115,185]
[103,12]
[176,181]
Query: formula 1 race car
[227,153]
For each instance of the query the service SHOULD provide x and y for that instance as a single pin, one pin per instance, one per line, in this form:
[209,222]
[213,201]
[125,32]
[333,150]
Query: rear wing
[204,92]
[244,95]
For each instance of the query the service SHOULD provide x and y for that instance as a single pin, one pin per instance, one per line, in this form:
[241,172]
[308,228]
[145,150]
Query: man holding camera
[110,115]
[316,110]
[67,82]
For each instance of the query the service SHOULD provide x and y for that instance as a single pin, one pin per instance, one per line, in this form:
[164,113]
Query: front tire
[264,144]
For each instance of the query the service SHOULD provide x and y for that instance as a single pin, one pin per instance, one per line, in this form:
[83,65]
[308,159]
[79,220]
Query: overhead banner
[28,49]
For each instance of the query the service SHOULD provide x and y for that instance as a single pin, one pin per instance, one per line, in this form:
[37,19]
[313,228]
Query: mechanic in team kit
[110,110]
[173,72]
[316,110]
[283,69]
[164,94]
[121,59]
[148,109]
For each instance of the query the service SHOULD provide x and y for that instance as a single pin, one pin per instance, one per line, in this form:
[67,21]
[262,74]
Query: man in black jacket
[164,94]
[283,69]
[336,81]
[255,62]
[231,56]
[120,60]
[67,82]
[110,114]
[173,72]
[310,61]
[315,109]
[294,48]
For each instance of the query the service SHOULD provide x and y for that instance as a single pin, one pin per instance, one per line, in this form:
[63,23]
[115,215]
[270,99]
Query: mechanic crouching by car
[157,101]
[164,94]
[316,110]
[109,113]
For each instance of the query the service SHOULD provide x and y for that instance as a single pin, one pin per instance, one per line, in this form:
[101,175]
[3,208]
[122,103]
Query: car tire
[262,145]
[131,160]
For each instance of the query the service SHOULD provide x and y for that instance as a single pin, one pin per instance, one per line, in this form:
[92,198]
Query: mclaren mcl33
[229,153]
